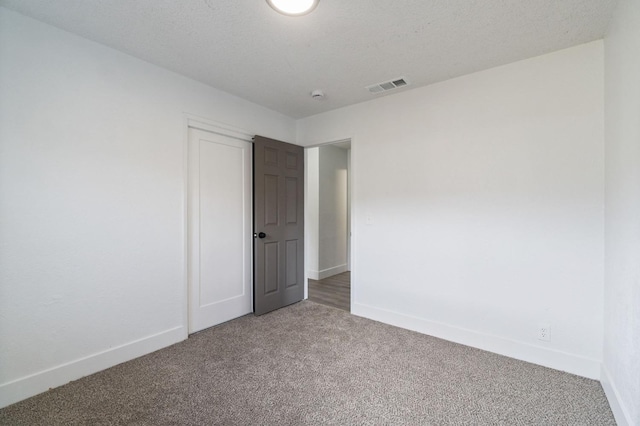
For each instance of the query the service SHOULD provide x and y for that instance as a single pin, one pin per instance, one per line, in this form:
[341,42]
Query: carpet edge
[558,360]
[34,384]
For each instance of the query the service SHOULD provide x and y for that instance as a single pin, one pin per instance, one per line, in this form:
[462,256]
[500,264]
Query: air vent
[387,85]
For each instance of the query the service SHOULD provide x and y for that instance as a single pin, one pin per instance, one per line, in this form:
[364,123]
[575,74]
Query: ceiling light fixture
[293,7]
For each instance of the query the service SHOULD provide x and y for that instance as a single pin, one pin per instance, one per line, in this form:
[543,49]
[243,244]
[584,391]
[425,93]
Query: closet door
[219,229]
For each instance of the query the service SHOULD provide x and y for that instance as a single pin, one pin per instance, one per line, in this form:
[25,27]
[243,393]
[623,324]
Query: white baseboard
[558,360]
[31,385]
[329,272]
[621,414]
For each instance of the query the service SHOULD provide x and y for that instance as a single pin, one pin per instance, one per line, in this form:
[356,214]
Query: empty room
[177,178]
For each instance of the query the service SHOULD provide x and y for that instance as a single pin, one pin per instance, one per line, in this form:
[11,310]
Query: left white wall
[92,180]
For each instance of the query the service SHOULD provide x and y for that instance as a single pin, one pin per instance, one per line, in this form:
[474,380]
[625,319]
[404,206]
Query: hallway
[333,291]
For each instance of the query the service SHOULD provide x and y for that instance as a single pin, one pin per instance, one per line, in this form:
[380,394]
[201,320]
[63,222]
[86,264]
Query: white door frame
[351,241]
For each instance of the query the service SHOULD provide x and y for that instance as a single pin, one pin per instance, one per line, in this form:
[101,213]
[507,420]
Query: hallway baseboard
[326,273]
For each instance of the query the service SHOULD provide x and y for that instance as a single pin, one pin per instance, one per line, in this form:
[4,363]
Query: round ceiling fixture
[293,7]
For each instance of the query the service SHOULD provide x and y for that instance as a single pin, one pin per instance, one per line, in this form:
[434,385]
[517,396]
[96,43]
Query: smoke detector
[396,83]
[317,94]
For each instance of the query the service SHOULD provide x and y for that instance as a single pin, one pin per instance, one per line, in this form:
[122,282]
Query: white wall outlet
[544,332]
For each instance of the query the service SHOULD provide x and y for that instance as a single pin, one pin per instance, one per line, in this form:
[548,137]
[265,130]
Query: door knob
[262,235]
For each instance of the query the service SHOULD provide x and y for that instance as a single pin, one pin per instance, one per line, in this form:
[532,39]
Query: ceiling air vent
[387,85]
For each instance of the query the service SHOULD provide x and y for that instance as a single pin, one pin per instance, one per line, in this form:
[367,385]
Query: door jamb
[351,227]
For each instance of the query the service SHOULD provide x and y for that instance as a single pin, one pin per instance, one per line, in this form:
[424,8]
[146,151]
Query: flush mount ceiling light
[293,7]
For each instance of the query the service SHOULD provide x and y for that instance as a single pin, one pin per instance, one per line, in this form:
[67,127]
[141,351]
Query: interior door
[278,224]
[219,229]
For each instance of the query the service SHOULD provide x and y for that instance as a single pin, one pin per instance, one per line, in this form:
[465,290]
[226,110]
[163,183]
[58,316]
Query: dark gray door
[278,214]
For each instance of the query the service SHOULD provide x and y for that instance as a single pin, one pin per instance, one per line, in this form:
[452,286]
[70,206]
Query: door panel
[292,263]
[271,200]
[292,200]
[279,214]
[219,229]
[271,268]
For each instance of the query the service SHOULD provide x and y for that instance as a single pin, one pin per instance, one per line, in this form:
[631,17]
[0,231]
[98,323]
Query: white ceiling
[245,48]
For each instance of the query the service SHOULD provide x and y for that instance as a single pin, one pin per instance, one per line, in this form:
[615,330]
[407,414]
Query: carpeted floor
[310,364]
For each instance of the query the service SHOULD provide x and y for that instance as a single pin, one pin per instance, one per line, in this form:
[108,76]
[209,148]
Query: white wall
[332,216]
[92,265]
[621,366]
[485,195]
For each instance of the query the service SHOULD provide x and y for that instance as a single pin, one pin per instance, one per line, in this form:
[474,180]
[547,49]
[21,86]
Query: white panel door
[219,229]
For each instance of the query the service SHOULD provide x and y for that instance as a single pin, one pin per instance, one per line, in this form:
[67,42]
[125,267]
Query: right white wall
[478,207]
[621,366]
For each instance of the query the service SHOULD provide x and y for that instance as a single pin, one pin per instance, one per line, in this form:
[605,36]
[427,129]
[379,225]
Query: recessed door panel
[271,196]
[292,160]
[292,200]
[270,157]
[271,273]
[221,222]
[291,265]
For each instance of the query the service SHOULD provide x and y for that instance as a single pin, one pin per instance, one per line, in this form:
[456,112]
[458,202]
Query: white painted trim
[326,273]
[34,384]
[212,126]
[329,272]
[353,206]
[185,224]
[558,360]
[307,276]
[314,275]
[317,145]
[620,412]
[349,203]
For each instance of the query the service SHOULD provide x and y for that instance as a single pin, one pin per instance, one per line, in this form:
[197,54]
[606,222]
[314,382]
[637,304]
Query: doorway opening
[328,231]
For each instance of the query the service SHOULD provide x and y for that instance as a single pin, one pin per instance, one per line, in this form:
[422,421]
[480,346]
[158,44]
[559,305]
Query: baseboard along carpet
[310,364]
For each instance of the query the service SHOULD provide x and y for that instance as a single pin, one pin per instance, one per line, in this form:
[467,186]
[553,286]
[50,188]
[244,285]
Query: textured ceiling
[245,48]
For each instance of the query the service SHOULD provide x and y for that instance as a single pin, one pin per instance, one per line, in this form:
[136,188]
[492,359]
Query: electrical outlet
[544,332]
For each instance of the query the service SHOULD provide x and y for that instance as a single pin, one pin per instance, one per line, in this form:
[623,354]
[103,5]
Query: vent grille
[387,85]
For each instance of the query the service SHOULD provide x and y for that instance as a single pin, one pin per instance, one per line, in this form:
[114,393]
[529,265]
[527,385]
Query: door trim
[201,123]
[223,129]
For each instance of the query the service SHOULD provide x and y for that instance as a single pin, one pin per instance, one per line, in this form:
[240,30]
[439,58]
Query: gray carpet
[309,364]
